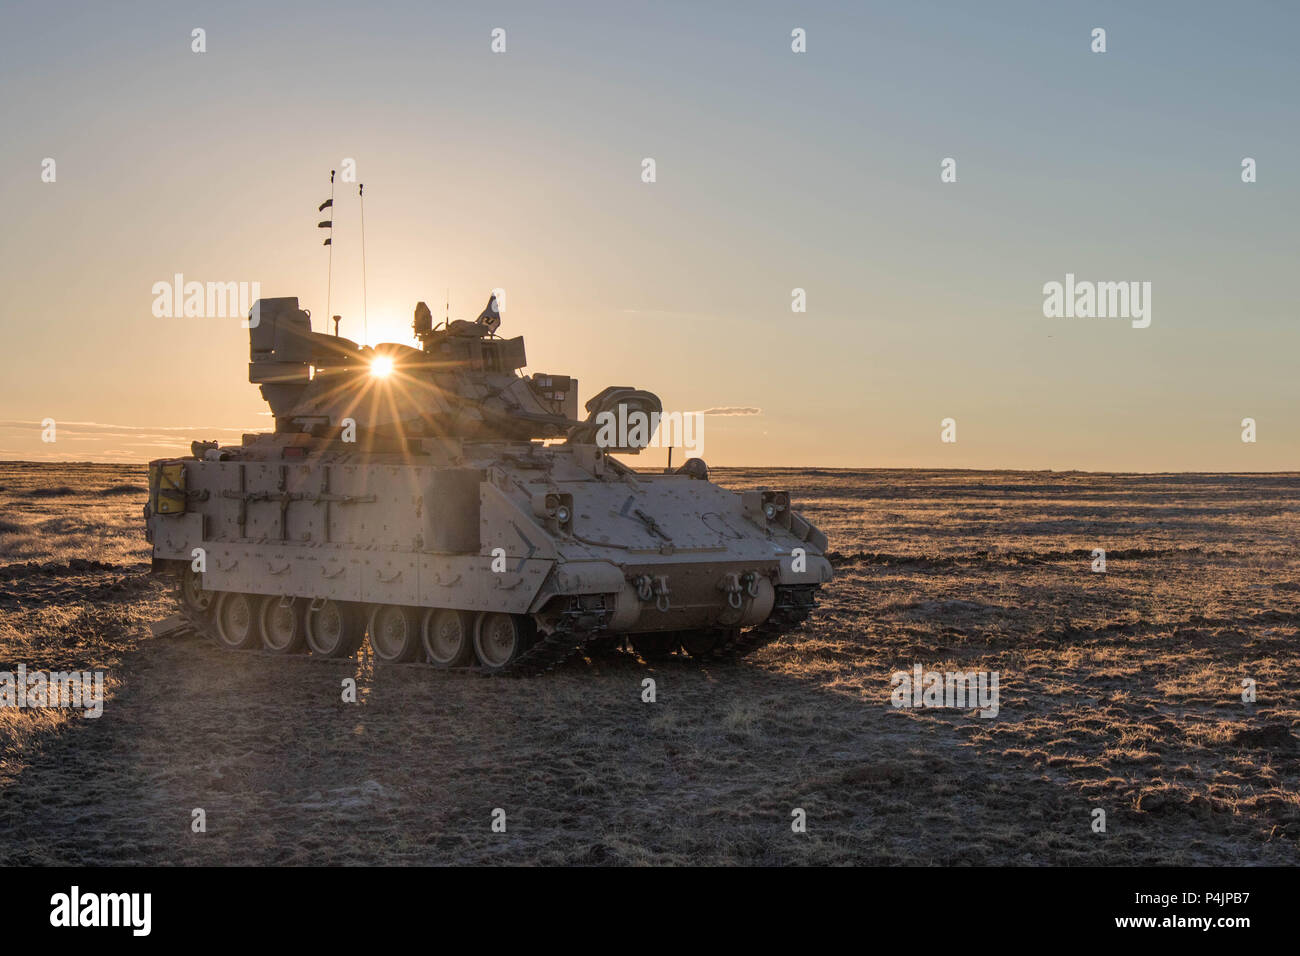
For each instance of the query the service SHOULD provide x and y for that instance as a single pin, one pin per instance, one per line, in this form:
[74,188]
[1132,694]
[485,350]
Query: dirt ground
[1120,691]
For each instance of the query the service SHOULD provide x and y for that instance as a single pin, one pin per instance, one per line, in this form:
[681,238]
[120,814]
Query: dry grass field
[1119,691]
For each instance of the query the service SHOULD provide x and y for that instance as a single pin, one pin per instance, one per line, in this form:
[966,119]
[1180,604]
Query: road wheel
[655,646]
[196,599]
[334,629]
[498,640]
[236,621]
[283,629]
[448,637]
[394,634]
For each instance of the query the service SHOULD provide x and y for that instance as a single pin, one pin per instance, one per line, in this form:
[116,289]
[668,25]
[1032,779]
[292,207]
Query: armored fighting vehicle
[458,512]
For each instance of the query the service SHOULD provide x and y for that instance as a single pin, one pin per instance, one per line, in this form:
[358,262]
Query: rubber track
[545,654]
[553,649]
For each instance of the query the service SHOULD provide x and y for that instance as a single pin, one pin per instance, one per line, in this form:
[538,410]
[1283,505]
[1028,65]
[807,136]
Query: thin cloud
[104,442]
[727,410]
[136,429]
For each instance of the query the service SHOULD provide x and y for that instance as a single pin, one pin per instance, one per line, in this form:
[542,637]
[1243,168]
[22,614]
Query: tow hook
[661,593]
[737,585]
[655,589]
[731,584]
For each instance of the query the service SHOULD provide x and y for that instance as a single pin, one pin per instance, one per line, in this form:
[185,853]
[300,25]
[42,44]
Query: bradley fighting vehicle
[458,512]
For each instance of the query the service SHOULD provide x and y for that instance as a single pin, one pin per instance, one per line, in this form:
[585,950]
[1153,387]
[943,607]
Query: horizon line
[846,468]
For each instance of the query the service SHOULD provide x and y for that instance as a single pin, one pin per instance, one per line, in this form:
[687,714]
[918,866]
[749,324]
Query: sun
[381,366]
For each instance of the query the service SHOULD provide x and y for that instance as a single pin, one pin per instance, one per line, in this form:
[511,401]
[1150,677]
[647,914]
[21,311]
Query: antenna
[328,224]
[447,318]
[365,318]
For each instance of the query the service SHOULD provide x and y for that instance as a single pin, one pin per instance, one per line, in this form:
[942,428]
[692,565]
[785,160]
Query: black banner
[340,906]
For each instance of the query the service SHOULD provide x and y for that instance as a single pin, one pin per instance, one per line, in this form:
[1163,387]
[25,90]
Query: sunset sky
[775,170]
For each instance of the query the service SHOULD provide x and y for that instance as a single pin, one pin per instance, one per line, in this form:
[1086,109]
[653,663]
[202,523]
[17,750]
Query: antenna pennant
[326,243]
[325,205]
[325,224]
